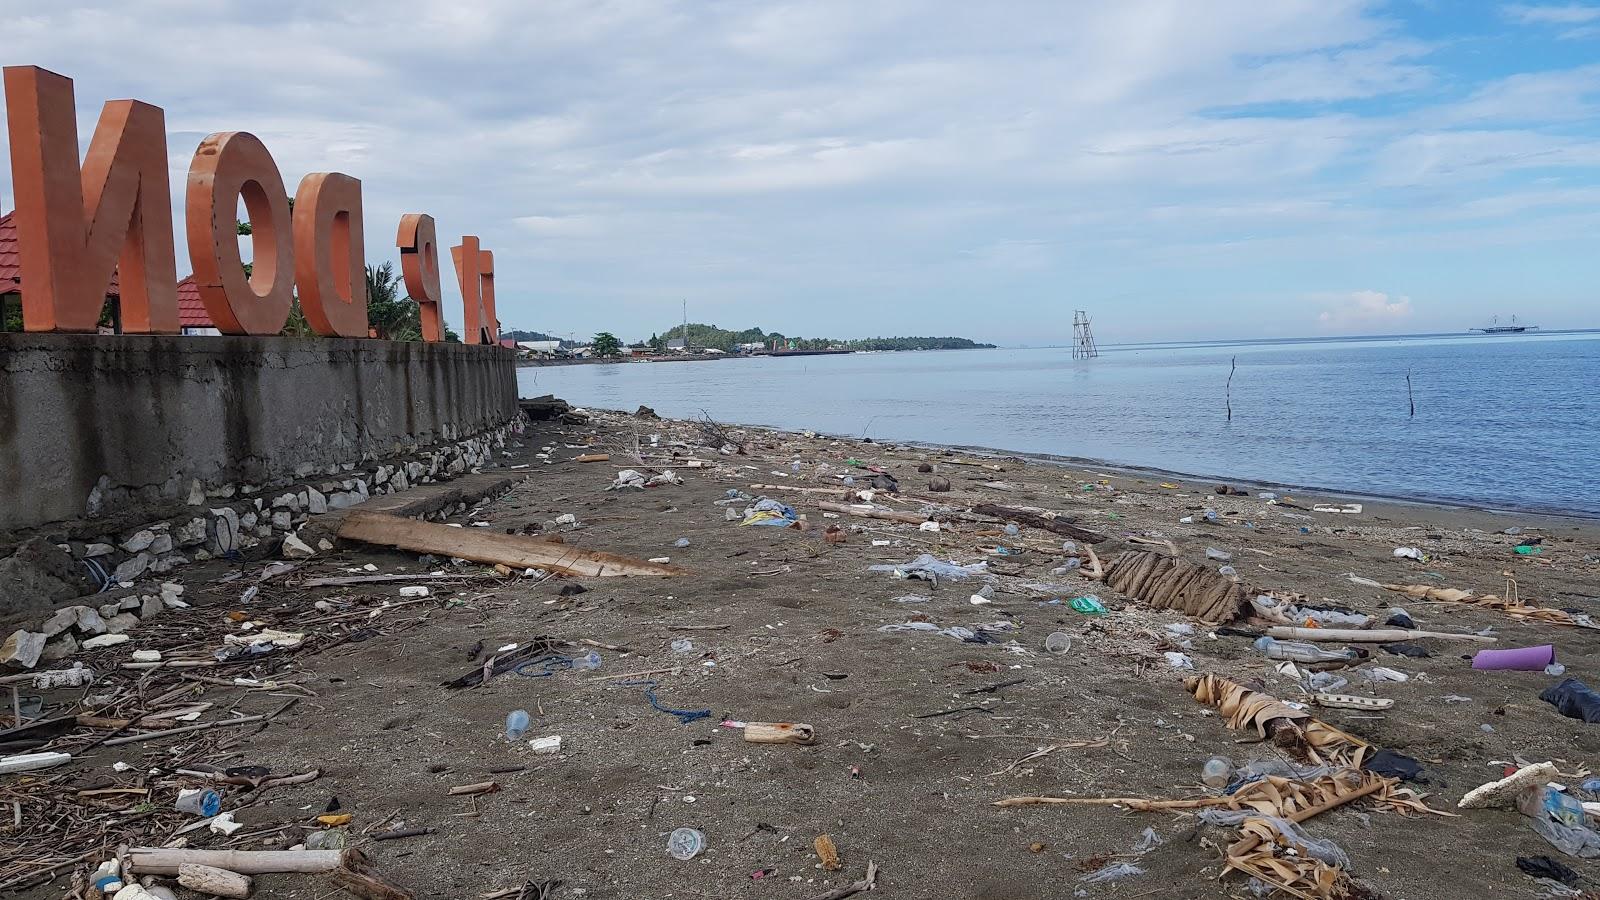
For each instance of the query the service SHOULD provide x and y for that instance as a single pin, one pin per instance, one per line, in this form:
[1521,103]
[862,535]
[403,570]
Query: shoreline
[1127,469]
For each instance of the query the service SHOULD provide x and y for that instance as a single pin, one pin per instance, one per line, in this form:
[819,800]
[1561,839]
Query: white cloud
[1569,14]
[1365,310]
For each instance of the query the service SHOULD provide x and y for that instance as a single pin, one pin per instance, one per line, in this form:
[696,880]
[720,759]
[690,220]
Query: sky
[1180,170]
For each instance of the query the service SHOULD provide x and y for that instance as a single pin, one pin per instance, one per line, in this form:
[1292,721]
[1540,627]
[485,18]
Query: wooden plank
[481,545]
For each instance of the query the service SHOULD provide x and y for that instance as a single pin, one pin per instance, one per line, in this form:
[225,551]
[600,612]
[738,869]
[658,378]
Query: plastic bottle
[1012,529]
[1218,555]
[1058,643]
[681,542]
[849,481]
[516,724]
[590,660]
[199,802]
[795,467]
[685,843]
[1227,570]
[1069,547]
[1299,651]
[1217,772]
[1210,514]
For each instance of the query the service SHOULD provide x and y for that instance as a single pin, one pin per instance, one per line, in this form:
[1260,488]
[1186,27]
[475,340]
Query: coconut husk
[1165,581]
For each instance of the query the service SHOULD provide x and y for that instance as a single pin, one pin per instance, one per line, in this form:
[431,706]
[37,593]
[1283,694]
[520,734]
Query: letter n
[77,227]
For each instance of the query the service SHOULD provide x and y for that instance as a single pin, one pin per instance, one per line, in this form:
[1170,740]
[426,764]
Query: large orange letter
[475,271]
[419,261]
[78,227]
[227,165]
[329,256]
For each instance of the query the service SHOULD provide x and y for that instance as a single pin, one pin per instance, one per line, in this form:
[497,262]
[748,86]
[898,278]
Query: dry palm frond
[1166,582]
[1295,730]
[1516,609]
[1285,865]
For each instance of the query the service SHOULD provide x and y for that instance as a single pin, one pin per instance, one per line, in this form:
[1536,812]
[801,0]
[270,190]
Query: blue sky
[1181,170]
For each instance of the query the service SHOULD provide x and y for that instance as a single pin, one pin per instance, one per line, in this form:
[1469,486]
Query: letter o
[229,165]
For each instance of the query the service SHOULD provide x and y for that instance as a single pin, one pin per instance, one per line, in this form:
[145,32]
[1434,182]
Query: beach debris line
[513,550]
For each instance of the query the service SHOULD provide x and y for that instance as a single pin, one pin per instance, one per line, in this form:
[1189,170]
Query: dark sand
[801,643]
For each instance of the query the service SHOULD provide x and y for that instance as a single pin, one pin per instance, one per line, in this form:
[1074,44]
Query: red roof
[191,311]
[11,260]
[510,343]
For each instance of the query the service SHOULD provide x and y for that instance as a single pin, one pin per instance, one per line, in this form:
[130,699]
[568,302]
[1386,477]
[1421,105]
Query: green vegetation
[530,336]
[710,336]
[607,345]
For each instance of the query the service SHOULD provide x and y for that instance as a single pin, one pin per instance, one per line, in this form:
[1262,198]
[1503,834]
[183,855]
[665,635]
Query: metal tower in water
[1082,338]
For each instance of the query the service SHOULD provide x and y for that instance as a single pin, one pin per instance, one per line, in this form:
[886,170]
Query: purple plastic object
[1525,659]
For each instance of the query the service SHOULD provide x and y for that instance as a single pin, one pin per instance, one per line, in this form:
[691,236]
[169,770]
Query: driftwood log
[213,881]
[1035,520]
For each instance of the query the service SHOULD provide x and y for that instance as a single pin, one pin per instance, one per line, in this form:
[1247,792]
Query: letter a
[78,227]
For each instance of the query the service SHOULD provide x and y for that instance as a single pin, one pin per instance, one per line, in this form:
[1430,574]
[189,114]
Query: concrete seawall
[97,433]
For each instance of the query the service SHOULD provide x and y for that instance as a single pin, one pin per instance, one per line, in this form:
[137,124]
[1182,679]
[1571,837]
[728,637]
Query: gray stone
[37,577]
[294,548]
[168,563]
[249,520]
[131,568]
[223,530]
[282,519]
[316,501]
[197,493]
[93,621]
[107,610]
[399,482]
[60,621]
[139,541]
[190,533]
[128,604]
[292,501]
[121,622]
[304,469]
[225,492]
[162,544]
[21,650]
[105,640]
[150,606]
[59,649]
[98,549]
[341,500]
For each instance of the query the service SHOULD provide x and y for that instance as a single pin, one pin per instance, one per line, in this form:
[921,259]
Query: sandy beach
[918,733]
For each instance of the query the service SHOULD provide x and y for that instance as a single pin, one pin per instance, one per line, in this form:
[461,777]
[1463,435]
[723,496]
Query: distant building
[540,346]
[752,347]
[676,344]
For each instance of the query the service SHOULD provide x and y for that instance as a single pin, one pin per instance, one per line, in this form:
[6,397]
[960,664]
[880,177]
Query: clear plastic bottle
[795,467]
[1227,570]
[516,724]
[1210,514]
[1012,529]
[1299,651]
[1069,547]
[849,481]
[590,660]
[681,543]
[1217,772]
[1218,555]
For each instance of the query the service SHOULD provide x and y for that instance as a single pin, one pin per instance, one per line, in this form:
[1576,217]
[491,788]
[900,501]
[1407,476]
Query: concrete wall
[101,432]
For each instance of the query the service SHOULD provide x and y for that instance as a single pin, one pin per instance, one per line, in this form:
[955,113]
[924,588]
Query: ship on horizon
[1494,327]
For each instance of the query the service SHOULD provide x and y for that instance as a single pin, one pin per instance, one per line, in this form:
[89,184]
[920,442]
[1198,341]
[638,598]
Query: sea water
[1510,422]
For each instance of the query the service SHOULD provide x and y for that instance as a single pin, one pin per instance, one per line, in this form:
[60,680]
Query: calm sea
[1502,422]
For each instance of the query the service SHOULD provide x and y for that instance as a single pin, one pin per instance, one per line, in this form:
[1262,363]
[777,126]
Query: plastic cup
[1058,643]
[685,843]
[199,802]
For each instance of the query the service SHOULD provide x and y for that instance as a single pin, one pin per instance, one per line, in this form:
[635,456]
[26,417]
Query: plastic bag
[930,568]
[1293,834]
[1583,843]
[1112,873]
[1148,840]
